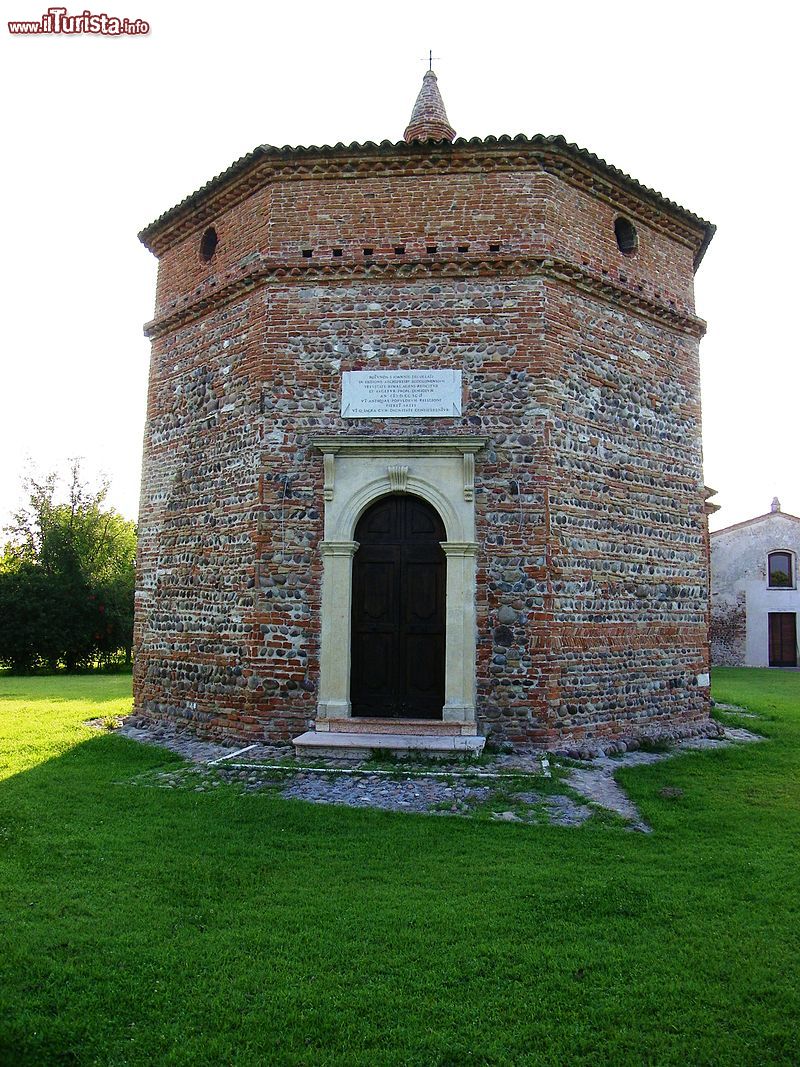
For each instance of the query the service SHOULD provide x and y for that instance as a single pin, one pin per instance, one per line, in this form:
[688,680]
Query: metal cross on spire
[430,58]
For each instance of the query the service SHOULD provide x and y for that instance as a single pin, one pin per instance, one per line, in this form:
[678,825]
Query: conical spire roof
[429,119]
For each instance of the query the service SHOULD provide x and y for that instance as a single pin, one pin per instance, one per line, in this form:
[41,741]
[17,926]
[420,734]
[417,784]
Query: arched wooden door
[398,622]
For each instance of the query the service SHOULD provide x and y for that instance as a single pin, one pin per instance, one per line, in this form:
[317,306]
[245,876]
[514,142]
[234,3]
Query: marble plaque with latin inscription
[401,394]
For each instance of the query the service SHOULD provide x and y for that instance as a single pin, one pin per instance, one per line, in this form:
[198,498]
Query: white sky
[101,135]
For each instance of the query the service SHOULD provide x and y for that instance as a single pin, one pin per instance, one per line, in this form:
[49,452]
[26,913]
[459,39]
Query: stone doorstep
[417,727]
[362,745]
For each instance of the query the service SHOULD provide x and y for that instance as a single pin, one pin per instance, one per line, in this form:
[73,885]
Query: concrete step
[364,725]
[362,745]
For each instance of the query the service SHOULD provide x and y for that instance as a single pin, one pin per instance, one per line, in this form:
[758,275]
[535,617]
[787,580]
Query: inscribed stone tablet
[401,394]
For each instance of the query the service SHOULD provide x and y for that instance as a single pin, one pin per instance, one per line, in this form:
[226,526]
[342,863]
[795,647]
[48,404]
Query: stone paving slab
[372,791]
[182,743]
[561,810]
[461,789]
[596,780]
[597,784]
[742,713]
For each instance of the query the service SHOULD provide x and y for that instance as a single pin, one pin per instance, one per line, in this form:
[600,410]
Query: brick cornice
[281,271]
[573,165]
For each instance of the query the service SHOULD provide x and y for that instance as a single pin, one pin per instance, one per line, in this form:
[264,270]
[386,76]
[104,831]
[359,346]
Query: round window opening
[208,244]
[625,233]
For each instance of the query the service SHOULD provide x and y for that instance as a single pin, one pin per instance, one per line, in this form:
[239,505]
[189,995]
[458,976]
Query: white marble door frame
[357,472]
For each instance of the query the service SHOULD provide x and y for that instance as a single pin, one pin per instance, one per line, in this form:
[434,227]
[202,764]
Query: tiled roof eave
[557,145]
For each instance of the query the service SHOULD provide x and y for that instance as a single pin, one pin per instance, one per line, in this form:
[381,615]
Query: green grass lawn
[146,926]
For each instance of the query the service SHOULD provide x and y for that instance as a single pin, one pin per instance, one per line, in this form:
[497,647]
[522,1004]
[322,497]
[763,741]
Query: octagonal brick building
[423,449]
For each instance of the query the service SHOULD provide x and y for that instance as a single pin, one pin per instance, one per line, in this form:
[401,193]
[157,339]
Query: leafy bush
[66,579]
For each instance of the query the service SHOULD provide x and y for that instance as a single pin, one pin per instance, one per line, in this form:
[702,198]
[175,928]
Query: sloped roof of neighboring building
[751,522]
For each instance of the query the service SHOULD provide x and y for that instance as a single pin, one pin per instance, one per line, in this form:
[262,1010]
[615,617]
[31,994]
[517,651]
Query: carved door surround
[358,470]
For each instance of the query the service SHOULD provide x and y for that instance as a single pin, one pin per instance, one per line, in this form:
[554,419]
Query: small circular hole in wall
[208,244]
[627,238]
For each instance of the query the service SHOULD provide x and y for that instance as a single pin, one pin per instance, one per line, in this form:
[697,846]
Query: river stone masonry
[562,291]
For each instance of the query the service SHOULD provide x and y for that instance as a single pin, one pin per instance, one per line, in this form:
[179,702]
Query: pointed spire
[429,119]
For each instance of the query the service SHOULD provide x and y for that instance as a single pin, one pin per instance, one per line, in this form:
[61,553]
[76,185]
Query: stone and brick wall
[580,365]
[728,630]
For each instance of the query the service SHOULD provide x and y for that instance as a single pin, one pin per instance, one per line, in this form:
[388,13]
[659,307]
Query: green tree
[66,577]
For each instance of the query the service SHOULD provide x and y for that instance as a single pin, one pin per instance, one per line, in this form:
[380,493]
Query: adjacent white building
[755,600]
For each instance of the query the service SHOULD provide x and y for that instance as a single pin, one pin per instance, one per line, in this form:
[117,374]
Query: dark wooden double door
[398,621]
[782,639]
